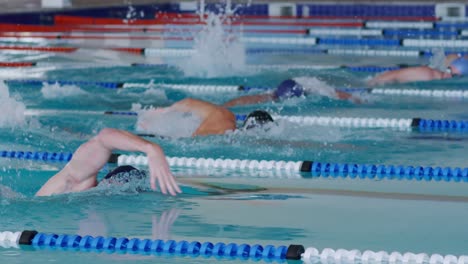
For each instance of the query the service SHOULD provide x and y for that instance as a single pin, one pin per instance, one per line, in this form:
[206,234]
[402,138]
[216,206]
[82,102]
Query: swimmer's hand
[159,170]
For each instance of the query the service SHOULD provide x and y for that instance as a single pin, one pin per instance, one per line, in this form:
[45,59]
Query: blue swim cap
[288,88]
[124,174]
[461,64]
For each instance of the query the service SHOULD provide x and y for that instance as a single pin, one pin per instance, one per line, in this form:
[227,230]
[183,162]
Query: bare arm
[80,173]
[386,77]
[250,99]
[411,74]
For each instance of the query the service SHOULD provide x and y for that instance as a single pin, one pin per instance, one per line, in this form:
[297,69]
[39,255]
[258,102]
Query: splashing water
[52,91]
[437,61]
[12,110]
[315,86]
[217,53]
[166,122]
[132,14]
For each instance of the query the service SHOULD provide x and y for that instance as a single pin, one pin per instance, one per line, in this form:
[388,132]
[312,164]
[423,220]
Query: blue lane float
[109,85]
[37,155]
[182,248]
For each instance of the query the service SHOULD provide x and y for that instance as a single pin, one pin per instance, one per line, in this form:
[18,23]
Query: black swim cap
[256,119]
[124,174]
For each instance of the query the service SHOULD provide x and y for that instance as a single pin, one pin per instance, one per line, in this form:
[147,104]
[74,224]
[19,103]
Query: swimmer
[287,89]
[211,119]
[81,171]
[458,66]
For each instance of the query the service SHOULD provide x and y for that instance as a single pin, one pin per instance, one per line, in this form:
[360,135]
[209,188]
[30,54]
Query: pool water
[233,205]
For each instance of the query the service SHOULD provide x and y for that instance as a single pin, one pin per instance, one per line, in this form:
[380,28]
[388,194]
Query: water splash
[52,91]
[12,110]
[313,85]
[218,53]
[437,61]
[132,14]
[166,122]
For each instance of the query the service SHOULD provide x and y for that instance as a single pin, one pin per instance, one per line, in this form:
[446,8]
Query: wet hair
[257,118]
[124,174]
[287,89]
[461,65]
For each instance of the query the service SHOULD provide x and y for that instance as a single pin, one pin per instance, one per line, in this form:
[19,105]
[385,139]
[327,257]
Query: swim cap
[257,118]
[123,174]
[461,65]
[288,88]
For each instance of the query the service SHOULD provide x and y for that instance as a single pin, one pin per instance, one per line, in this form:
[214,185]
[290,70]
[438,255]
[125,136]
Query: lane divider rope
[184,248]
[299,44]
[446,43]
[338,256]
[181,248]
[419,124]
[315,168]
[422,92]
[399,24]
[196,88]
[282,67]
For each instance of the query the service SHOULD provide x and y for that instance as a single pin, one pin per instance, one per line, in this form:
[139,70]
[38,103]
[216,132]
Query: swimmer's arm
[250,99]
[80,173]
[343,95]
[410,74]
[386,77]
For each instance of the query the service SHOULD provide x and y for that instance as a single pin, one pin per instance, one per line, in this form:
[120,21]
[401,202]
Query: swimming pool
[233,205]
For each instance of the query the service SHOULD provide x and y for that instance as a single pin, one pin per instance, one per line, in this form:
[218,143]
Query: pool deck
[9,6]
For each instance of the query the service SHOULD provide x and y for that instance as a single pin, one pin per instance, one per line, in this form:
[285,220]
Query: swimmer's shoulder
[217,122]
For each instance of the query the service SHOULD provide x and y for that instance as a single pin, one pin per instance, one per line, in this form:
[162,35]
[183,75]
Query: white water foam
[52,91]
[218,53]
[165,122]
[437,61]
[154,92]
[315,86]
[12,110]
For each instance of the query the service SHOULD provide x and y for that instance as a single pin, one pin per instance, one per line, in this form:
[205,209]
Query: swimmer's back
[215,119]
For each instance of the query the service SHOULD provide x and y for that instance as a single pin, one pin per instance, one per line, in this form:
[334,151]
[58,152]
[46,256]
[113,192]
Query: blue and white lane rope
[195,88]
[418,124]
[421,92]
[121,245]
[116,85]
[184,248]
[315,168]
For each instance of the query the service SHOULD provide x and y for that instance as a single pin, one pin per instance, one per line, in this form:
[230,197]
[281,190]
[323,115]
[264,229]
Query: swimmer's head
[123,174]
[459,67]
[287,89]
[257,118]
